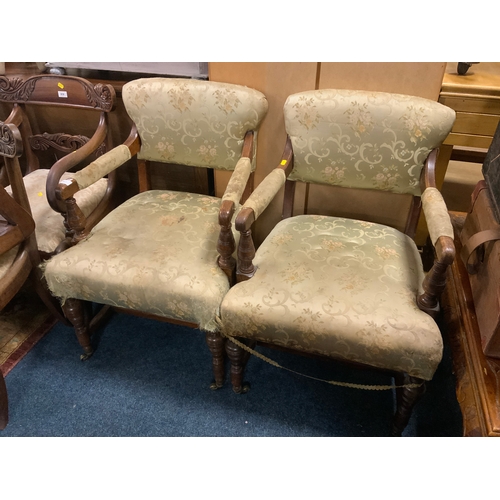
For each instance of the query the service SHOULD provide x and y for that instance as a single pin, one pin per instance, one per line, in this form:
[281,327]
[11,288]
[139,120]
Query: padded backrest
[360,139]
[192,122]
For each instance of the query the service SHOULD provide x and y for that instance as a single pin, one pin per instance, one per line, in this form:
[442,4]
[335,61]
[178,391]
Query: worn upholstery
[340,287]
[157,252]
[359,139]
[50,229]
[165,263]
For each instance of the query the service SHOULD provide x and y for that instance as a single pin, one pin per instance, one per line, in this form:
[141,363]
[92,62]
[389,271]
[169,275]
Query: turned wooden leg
[215,343]
[4,404]
[238,358]
[77,311]
[407,399]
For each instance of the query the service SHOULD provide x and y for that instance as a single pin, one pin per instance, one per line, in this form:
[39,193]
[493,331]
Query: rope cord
[331,382]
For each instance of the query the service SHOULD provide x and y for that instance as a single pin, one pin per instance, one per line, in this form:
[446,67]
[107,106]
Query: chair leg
[408,398]
[4,404]
[215,343]
[77,311]
[238,358]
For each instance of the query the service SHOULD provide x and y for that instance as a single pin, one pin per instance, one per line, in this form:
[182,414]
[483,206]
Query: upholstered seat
[50,230]
[155,265]
[341,288]
[165,253]
[54,155]
[348,289]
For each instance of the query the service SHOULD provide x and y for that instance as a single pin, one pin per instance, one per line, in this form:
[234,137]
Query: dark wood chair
[351,290]
[164,254]
[51,155]
[16,228]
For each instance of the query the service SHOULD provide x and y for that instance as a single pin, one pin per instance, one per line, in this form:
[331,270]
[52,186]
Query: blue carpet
[149,378]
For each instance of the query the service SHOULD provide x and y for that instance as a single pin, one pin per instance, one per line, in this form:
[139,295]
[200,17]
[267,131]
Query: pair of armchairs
[346,289]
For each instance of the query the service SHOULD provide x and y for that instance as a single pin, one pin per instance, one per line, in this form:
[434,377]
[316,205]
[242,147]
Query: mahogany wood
[76,310]
[69,92]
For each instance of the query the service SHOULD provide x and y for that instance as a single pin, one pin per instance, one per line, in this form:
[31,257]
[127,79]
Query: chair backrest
[55,91]
[361,139]
[16,223]
[192,122]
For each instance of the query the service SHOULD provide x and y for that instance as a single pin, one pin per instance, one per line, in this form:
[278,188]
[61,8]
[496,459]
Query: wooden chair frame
[79,312]
[78,93]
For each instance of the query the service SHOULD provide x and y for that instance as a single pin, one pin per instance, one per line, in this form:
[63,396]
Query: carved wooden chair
[51,157]
[165,254]
[16,227]
[347,289]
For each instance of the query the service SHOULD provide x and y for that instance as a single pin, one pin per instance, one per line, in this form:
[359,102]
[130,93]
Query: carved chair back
[36,106]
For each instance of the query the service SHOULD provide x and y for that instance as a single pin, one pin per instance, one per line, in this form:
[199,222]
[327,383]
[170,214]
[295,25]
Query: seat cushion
[338,287]
[50,224]
[155,253]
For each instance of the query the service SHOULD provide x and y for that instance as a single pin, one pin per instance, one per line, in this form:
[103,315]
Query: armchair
[350,290]
[62,152]
[16,227]
[165,254]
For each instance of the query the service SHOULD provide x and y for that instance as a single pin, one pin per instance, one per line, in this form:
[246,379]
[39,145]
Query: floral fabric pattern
[339,287]
[49,228]
[361,139]
[165,263]
[193,122]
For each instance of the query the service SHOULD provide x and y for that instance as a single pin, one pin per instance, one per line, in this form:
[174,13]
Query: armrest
[441,235]
[238,181]
[436,215]
[94,171]
[98,168]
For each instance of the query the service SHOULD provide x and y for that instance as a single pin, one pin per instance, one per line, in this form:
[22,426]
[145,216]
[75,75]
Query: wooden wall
[278,80]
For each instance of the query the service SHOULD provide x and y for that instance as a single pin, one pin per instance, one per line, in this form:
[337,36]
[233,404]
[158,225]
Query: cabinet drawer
[475,123]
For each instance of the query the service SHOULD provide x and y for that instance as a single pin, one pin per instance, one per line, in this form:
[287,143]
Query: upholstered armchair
[347,289]
[53,155]
[16,227]
[165,254]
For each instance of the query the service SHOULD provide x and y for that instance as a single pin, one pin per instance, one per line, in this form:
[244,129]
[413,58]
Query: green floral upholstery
[193,122]
[157,252]
[362,139]
[339,287]
[165,263]
[50,229]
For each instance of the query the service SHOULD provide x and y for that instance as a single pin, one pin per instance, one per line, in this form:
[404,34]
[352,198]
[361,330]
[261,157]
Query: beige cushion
[156,253]
[193,122]
[338,287]
[363,139]
[49,228]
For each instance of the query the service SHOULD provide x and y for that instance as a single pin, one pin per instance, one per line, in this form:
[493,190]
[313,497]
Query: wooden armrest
[107,163]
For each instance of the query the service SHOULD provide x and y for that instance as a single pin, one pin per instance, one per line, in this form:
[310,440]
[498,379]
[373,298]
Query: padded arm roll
[102,166]
[238,181]
[436,214]
[266,191]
